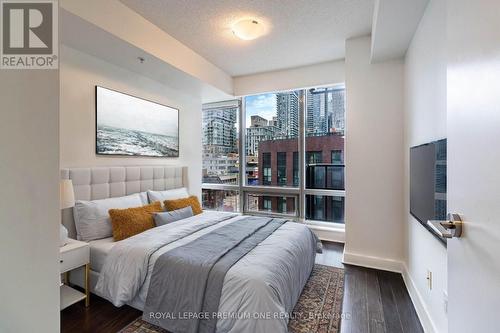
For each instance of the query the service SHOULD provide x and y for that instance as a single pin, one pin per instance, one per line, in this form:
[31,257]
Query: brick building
[279,166]
[282,158]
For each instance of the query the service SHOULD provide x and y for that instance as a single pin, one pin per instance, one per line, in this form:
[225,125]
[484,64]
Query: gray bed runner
[186,282]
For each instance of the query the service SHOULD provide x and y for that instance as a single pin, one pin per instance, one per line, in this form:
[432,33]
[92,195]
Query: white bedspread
[99,250]
[258,292]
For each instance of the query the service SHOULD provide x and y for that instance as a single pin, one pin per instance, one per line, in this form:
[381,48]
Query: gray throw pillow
[172,216]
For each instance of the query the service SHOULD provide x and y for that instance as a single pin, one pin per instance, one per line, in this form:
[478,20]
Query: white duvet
[259,291]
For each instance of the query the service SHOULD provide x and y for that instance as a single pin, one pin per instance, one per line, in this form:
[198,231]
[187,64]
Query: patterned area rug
[317,311]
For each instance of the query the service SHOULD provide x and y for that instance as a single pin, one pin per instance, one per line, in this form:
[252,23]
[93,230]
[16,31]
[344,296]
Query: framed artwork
[130,126]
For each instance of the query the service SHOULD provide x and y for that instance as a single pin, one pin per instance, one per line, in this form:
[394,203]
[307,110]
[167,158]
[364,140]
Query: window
[220,142]
[325,208]
[266,168]
[220,200]
[296,168]
[337,157]
[314,157]
[281,167]
[316,177]
[242,169]
[324,144]
[272,129]
[325,177]
[282,208]
[257,203]
[266,204]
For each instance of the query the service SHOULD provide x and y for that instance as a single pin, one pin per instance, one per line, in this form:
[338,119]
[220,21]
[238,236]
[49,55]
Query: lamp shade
[67,196]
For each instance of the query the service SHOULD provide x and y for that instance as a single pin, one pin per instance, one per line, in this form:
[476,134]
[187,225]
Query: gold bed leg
[87,293]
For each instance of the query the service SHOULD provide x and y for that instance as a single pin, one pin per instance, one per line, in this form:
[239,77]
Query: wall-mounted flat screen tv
[428,182]
[132,126]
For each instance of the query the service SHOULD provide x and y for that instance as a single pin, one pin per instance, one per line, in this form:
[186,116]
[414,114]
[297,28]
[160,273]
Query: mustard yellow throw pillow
[181,203]
[132,221]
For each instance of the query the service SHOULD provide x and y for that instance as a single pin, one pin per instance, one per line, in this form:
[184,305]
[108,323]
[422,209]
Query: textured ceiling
[301,32]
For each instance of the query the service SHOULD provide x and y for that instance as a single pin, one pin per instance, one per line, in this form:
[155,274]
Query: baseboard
[328,234]
[373,262]
[418,303]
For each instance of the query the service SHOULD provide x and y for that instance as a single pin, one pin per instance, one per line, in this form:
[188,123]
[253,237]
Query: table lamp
[67,200]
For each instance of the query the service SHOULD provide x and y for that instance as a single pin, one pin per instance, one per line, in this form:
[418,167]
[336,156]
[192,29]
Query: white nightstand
[73,255]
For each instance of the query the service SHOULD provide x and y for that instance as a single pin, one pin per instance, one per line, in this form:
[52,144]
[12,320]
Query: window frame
[298,192]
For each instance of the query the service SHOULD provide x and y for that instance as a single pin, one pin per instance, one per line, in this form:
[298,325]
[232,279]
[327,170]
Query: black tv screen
[428,182]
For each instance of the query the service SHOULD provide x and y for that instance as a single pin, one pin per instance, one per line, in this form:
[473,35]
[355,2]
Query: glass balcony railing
[325,177]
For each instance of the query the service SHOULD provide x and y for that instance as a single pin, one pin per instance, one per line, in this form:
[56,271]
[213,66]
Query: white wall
[374,159]
[391,32]
[29,201]
[332,72]
[119,20]
[425,121]
[79,74]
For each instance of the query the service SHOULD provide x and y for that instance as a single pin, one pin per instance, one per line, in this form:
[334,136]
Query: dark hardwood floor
[374,301]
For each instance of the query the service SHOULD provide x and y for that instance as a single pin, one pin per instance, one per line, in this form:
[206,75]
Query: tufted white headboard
[108,182]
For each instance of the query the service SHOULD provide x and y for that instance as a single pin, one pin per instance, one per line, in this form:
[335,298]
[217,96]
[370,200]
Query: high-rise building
[274,122]
[325,111]
[260,129]
[337,115]
[219,128]
[220,168]
[287,113]
[257,134]
[220,143]
[258,121]
[316,118]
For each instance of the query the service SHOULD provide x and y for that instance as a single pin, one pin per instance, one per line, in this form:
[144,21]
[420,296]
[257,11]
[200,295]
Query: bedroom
[276,150]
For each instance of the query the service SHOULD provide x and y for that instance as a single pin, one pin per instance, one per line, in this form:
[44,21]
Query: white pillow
[178,193]
[92,219]
[144,197]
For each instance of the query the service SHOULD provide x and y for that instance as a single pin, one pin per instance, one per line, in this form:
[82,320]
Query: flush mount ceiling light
[248,29]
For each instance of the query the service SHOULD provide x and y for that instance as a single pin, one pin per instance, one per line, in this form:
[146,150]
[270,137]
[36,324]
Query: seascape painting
[127,125]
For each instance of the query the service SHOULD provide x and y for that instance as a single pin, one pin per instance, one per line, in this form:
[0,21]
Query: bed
[108,182]
[259,290]
[99,250]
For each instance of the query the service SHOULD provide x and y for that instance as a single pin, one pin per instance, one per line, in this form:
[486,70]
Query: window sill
[328,233]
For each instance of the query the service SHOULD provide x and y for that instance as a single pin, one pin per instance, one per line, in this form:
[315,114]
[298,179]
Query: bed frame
[109,182]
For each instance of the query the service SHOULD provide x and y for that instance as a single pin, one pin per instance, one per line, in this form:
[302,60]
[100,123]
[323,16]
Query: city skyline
[263,105]
[325,109]
[271,150]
